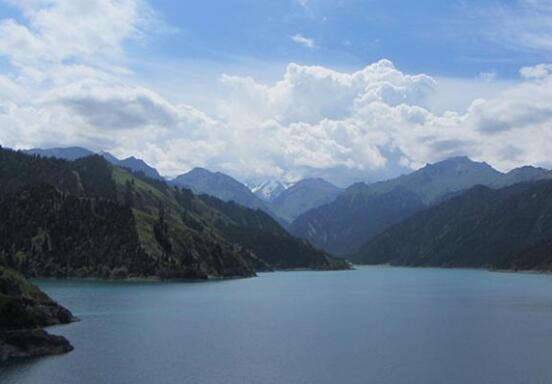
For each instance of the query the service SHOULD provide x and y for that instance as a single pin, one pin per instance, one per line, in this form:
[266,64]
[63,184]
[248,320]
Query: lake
[372,325]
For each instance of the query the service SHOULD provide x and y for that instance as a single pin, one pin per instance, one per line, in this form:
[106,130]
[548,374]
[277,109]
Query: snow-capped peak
[268,190]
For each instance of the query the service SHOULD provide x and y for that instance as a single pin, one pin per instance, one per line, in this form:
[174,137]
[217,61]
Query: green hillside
[87,218]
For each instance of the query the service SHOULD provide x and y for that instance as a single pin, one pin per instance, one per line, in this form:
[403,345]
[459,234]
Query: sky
[348,90]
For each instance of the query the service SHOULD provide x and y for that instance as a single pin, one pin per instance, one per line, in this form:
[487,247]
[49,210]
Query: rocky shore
[24,311]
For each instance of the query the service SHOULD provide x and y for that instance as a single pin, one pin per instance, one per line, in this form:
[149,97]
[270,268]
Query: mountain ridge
[219,185]
[432,184]
[506,228]
[268,190]
[303,196]
[89,218]
[76,153]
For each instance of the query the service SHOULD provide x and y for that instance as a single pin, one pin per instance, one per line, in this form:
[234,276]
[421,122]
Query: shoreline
[482,269]
[151,279]
[157,279]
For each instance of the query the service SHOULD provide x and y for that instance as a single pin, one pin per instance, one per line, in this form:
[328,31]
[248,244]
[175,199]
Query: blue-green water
[372,325]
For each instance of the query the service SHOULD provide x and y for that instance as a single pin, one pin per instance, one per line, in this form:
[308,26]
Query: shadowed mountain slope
[508,228]
[362,211]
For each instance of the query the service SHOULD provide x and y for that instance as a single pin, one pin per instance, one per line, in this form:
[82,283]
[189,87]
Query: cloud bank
[70,86]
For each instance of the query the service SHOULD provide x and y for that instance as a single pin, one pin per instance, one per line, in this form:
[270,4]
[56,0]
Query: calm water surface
[372,325]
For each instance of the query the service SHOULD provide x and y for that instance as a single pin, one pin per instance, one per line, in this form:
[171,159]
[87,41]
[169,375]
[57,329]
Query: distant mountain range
[362,211]
[67,153]
[283,202]
[508,228]
[456,212]
[75,153]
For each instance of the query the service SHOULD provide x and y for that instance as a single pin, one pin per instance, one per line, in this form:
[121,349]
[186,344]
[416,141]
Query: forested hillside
[509,228]
[89,218]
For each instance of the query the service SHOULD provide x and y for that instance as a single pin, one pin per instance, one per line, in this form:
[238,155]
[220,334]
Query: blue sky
[444,38]
[348,90]
[448,39]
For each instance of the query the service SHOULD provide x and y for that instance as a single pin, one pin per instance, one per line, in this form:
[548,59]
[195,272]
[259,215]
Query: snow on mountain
[269,189]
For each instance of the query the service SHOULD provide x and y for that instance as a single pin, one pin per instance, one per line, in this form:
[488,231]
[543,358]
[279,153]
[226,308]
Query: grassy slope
[199,251]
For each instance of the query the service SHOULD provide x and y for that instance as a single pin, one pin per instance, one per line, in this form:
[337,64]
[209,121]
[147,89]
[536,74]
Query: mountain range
[75,153]
[432,216]
[281,202]
[506,228]
[362,211]
[89,218]
[284,202]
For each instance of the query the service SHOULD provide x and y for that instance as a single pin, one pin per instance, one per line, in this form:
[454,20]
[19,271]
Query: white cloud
[109,107]
[59,30]
[315,121]
[539,71]
[377,120]
[312,93]
[522,24]
[304,41]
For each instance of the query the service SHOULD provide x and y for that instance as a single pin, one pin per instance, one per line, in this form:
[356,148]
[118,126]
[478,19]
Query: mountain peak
[269,189]
[303,196]
[458,167]
[219,185]
[528,169]
[199,170]
[458,161]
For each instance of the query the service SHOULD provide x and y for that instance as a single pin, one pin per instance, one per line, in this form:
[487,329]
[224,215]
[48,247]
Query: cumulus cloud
[348,124]
[312,93]
[367,124]
[96,28]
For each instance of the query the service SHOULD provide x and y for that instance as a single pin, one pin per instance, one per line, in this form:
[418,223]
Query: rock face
[31,343]
[24,310]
